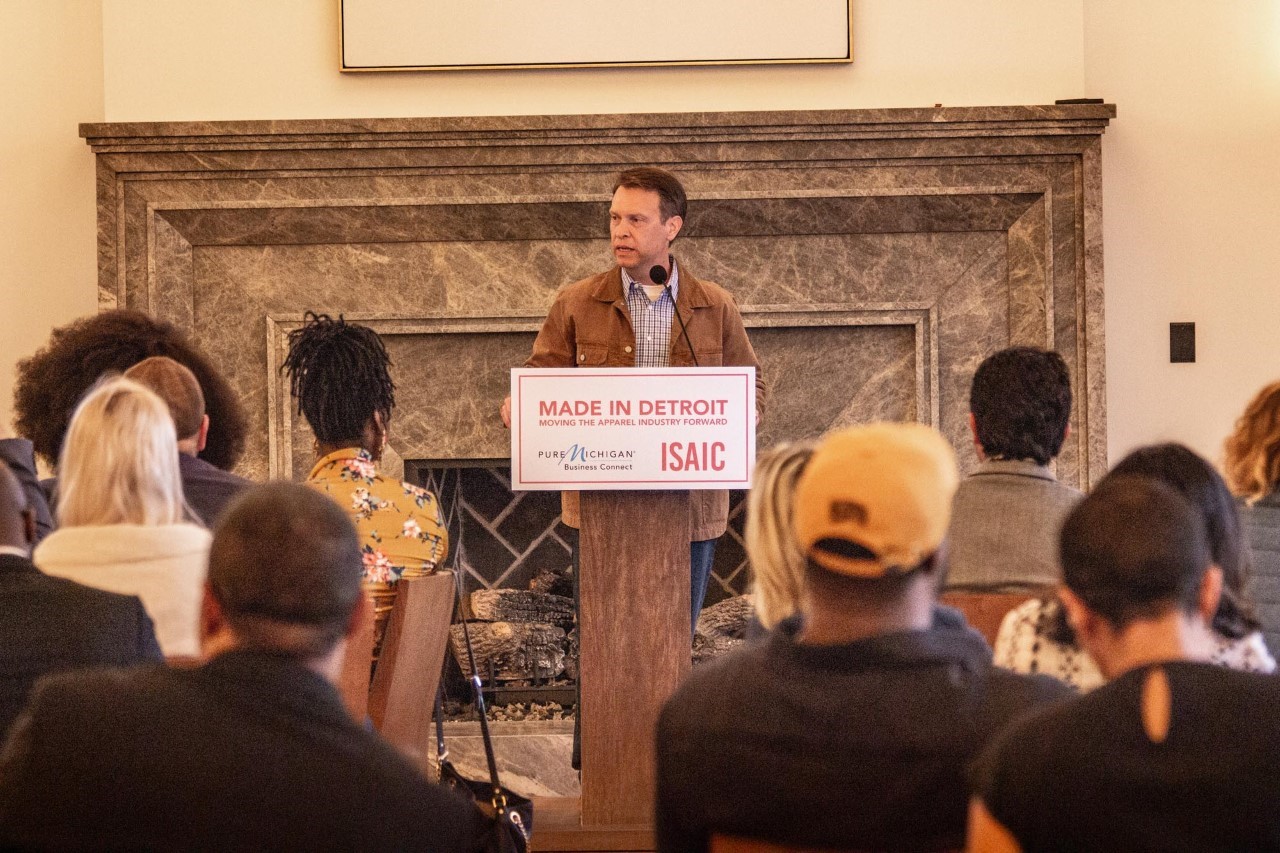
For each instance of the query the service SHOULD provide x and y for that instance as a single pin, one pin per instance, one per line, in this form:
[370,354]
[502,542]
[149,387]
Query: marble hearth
[877,255]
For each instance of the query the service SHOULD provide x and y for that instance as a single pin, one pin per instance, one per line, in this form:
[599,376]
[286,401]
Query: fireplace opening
[514,558]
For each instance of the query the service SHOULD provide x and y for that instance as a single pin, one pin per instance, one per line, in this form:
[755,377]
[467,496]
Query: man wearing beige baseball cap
[852,725]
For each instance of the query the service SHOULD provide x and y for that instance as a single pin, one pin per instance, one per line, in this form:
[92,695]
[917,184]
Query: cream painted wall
[246,59]
[1190,206]
[48,228]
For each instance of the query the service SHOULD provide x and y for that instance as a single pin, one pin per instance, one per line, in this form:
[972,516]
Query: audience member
[1007,512]
[851,726]
[1253,473]
[777,563]
[18,454]
[1174,753]
[208,489]
[121,513]
[776,560]
[339,374]
[51,383]
[49,624]
[1035,637]
[254,749]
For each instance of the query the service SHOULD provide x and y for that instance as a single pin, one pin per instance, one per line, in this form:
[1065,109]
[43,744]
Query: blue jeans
[701,556]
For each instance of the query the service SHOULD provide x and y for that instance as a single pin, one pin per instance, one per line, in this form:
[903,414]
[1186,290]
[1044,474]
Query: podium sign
[632,428]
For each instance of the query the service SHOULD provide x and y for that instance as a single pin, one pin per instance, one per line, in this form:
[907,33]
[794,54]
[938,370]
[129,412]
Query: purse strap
[442,752]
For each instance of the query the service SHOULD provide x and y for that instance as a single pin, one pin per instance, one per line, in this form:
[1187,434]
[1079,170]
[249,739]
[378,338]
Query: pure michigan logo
[579,457]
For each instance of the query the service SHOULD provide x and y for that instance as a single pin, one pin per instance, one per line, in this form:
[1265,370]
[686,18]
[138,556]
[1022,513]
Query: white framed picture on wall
[444,35]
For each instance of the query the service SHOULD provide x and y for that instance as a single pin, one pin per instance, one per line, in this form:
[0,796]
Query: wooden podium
[634,645]
[606,430]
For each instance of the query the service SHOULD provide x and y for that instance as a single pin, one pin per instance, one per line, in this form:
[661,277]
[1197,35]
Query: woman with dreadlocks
[338,373]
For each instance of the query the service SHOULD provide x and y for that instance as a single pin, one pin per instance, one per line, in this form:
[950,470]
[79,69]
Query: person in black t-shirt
[1174,753]
[850,726]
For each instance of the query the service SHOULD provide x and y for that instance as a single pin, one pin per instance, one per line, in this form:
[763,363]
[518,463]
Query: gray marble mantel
[877,255]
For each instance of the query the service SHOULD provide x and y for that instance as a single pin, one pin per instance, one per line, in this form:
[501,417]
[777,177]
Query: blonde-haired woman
[777,563]
[1252,469]
[121,514]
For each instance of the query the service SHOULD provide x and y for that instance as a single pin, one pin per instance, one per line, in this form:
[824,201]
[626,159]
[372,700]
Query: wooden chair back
[735,844]
[984,611]
[353,681]
[402,697]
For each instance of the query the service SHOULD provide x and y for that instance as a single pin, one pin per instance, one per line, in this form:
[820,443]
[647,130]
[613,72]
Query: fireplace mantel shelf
[391,132]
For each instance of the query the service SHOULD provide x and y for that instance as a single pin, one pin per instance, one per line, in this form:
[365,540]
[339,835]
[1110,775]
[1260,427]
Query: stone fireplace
[877,256]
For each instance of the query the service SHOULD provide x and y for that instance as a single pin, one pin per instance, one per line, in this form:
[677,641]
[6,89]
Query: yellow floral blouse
[401,529]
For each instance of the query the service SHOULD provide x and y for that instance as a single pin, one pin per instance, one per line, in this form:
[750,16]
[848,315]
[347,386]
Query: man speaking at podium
[648,311]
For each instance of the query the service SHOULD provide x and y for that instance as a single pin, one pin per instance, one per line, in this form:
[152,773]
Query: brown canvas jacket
[589,325]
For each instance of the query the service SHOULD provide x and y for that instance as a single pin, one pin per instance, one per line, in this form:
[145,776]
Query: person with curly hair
[1252,468]
[339,373]
[1007,512]
[51,383]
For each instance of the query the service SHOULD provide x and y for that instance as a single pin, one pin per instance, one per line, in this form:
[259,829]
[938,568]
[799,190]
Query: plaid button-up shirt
[651,319]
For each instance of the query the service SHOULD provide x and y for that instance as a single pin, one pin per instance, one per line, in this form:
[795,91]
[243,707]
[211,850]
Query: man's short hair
[1021,403]
[177,386]
[671,198]
[285,566]
[1134,549]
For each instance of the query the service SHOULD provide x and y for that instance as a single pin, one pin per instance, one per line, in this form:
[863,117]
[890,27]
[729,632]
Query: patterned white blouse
[1024,645]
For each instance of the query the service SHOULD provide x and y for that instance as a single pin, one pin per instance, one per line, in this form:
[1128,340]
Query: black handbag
[510,815]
